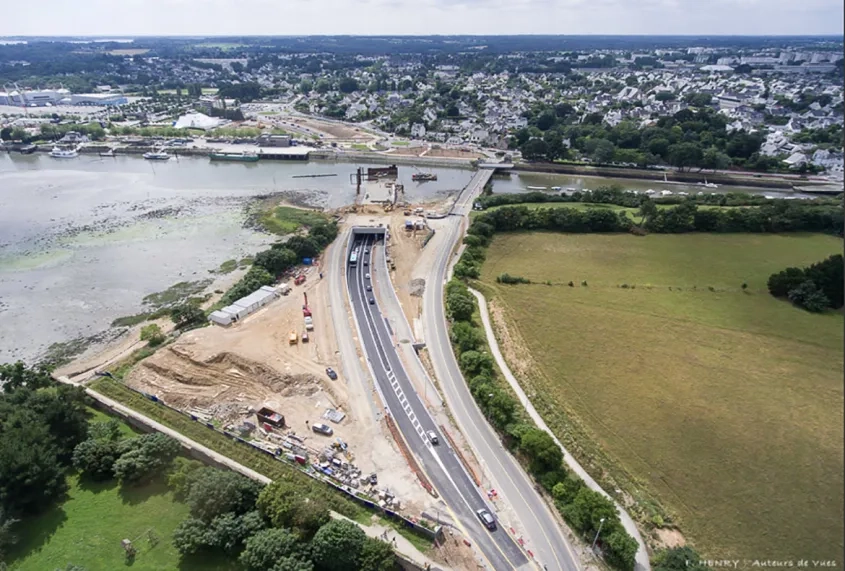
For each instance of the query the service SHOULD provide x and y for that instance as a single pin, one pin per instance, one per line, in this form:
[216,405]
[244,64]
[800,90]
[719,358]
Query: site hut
[244,306]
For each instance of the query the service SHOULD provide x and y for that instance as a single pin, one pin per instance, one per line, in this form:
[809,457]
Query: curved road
[545,537]
[439,462]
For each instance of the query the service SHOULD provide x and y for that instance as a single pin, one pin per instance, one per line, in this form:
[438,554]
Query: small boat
[536,188]
[571,189]
[555,188]
[665,193]
[423,177]
[28,149]
[706,184]
[60,153]
[157,156]
[649,191]
[109,153]
[242,157]
[682,193]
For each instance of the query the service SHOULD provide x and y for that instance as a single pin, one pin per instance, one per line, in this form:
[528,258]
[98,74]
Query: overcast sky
[304,17]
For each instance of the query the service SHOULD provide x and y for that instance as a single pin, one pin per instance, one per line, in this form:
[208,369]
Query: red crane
[305,311]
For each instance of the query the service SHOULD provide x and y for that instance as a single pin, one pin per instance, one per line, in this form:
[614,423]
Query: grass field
[724,404]
[633,213]
[287,220]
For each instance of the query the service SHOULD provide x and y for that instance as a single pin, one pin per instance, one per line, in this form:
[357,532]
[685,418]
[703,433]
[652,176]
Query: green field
[724,404]
[287,220]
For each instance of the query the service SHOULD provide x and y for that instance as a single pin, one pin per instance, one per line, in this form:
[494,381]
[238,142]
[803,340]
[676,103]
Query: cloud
[307,17]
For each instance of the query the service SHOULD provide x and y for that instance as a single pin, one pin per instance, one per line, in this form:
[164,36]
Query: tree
[337,546]
[781,283]
[17,375]
[31,476]
[546,120]
[377,555]
[189,536]
[187,315]
[603,152]
[648,209]
[685,155]
[534,149]
[459,305]
[620,549]
[564,110]
[465,336]
[302,246]
[544,453]
[276,261]
[180,477]
[95,458]
[6,134]
[715,159]
[808,296]
[7,538]
[144,457]
[475,363]
[152,335]
[586,511]
[284,504]
[228,532]
[213,492]
[268,546]
[347,85]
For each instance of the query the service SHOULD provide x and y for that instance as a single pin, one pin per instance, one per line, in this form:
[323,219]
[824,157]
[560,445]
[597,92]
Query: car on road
[366,251]
[372,301]
[366,276]
[366,263]
[330,372]
[369,288]
[320,428]
[486,518]
[432,437]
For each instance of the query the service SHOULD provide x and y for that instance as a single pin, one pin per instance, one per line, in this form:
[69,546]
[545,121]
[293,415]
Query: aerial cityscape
[554,300]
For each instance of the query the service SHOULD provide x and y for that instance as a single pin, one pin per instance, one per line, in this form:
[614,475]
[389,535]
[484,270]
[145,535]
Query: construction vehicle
[299,280]
[294,338]
[309,324]
[305,337]
[306,312]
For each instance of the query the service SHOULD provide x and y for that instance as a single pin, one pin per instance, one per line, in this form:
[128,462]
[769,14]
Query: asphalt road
[439,462]
[542,532]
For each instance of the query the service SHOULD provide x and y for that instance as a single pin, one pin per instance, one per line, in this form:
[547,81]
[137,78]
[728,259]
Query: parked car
[330,372]
[432,437]
[486,518]
[322,429]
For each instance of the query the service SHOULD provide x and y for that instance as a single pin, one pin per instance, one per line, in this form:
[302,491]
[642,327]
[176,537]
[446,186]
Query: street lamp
[593,546]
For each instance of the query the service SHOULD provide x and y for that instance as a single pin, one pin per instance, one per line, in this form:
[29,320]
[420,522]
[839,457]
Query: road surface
[439,462]
[541,530]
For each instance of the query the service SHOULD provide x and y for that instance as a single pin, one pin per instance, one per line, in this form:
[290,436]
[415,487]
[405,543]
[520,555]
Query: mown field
[725,404]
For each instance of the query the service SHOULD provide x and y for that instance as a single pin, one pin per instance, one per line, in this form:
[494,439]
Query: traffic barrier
[460,454]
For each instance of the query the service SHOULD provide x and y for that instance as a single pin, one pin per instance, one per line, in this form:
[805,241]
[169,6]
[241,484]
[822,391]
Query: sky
[420,17]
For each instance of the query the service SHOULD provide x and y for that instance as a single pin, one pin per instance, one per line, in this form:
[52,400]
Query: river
[83,240]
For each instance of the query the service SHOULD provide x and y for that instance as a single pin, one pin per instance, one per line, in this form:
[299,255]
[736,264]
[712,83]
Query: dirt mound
[181,379]
[416,287]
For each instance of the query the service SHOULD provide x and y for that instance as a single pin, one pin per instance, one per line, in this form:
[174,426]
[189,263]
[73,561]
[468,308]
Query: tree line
[815,288]
[693,138]
[272,263]
[583,508]
[776,216]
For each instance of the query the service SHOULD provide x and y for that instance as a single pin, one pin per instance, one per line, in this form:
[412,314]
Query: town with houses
[457,100]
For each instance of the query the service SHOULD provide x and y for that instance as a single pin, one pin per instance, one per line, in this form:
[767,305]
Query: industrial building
[244,306]
[51,97]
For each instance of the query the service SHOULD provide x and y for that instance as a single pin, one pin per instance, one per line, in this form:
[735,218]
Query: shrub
[152,335]
[806,295]
[509,279]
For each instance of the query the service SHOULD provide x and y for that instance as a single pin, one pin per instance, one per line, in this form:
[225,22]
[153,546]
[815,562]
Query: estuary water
[83,240]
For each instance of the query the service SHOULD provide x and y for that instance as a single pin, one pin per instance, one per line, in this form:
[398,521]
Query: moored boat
[60,153]
[27,149]
[423,177]
[242,157]
[157,156]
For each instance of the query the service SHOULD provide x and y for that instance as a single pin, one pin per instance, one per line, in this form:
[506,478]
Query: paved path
[628,523]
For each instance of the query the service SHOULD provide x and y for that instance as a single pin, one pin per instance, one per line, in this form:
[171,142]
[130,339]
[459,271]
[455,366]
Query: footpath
[642,559]
[404,549]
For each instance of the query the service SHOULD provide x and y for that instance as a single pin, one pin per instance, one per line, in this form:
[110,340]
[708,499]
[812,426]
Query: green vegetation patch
[721,401]
[287,220]
[176,294]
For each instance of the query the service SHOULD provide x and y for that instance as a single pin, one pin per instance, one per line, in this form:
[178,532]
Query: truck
[293,339]
[299,280]
[284,289]
[271,417]
[309,323]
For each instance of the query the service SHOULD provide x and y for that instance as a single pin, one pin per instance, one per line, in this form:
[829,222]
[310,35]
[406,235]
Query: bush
[466,337]
[287,505]
[509,279]
[187,315]
[806,295]
[460,304]
[543,453]
[152,335]
[95,458]
[213,492]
